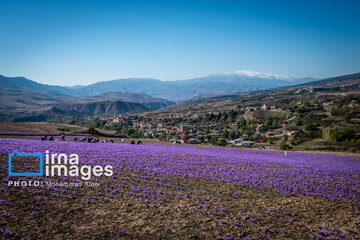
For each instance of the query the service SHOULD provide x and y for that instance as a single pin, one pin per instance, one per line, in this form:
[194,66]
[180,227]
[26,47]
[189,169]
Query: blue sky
[81,42]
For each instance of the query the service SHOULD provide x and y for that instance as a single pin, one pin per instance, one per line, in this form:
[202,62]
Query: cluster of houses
[172,129]
[186,127]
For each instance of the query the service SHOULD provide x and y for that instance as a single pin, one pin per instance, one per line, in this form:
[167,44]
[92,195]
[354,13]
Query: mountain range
[26,100]
[177,91]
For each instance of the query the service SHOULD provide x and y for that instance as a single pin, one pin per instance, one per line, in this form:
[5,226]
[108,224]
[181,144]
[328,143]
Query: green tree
[136,134]
[214,140]
[221,142]
[268,122]
[340,135]
[284,145]
[233,135]
[162,136]
[130,131]
[347,117]
[310,127]
[225,134]
[298,122]
[300,110]
[242,123]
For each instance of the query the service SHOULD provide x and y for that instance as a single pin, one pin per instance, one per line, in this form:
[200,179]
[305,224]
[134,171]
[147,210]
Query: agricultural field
[180,192]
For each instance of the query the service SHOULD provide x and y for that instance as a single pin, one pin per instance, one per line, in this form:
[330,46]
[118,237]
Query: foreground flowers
[197,191]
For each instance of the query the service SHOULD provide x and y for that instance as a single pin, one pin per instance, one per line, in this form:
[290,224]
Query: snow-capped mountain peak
[251,74]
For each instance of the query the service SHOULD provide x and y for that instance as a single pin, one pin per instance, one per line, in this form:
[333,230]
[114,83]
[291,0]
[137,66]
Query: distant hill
[178,91]
[182,90]
[39,105]
[24,84]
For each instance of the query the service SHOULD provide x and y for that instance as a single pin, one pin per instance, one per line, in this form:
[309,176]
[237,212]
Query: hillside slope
[311,90]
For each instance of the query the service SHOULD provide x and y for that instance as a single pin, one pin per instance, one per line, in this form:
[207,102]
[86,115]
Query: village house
[265,107]
[185,128]
[261,128]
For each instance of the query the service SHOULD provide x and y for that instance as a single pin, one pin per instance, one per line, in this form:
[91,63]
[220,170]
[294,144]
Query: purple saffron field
[182,192]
